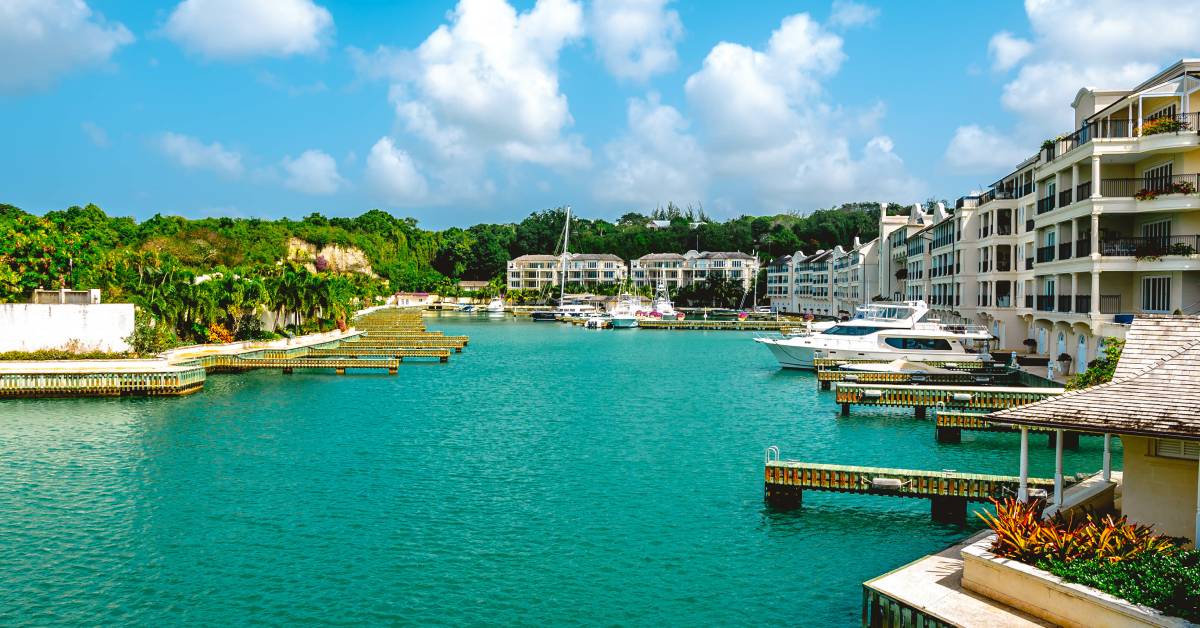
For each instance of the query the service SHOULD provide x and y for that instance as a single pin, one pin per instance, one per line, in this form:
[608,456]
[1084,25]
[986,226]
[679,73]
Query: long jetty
[922,397]
[949,492]
[714,325]
[382,340]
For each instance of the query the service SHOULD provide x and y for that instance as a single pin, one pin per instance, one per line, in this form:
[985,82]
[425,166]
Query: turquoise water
[547,475]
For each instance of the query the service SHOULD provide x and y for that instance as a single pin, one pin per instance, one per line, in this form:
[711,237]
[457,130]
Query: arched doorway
[1062,345]
[998,332]
[1081,355]
[1041,340]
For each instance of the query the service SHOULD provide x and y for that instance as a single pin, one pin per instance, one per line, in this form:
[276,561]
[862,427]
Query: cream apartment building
[675,270]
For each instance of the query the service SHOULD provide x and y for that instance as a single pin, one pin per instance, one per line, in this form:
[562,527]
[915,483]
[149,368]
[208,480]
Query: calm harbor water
[547,475]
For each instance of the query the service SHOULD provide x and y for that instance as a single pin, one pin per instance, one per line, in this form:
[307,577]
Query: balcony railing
[1064,303]
[1064,198]
[1083,303]
[1122,128]
[1045,303]
[1003,266]
[1029,301]
[1083,247]
[1083,190]
[1045,204]
[1148,188]
[1064,250]
[1151,247]
[1028,225]
[1045,254]
[1110,304]
[1004,228]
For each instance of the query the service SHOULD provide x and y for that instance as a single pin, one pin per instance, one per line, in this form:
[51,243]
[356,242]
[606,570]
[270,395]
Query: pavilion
[1153,405]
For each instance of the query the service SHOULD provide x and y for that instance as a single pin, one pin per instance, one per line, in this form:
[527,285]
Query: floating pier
[922,397]
[713,325]
[101,379]
[399,353]
[948,491]
[237,364]
[950,423]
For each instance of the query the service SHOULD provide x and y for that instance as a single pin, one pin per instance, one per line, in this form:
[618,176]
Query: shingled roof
[1155,390]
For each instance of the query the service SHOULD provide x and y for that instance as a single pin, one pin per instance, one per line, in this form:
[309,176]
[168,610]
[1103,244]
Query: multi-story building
[779,284]
[591,269]
[675,270]
[533,272]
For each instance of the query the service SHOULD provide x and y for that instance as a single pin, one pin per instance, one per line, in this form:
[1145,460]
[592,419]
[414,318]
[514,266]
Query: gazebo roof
[1155,390]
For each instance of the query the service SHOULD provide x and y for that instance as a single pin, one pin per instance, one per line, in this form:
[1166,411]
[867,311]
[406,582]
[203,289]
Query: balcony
[1064,198]
[1028,225]
[1064,250]
[1150,247]
[1029,301]
[1083,303]
[1120,129]
[1045,254]
[1045,303]
[1064,303]
[1083,247]
[1110,304]
[1028,263]
[1003,229]
[1083,190]
[1045,204]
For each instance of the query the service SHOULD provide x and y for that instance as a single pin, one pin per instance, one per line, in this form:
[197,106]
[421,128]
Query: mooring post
[287,371]
[948,509]
[949,435]
[340,371]
[919,412]
[845,409]
[824,385]
[782,497]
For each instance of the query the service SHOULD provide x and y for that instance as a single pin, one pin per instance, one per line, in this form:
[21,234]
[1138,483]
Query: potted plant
[1030,345]
[1064,359]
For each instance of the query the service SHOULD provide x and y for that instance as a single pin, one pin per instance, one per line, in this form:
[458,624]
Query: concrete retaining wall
[29,326]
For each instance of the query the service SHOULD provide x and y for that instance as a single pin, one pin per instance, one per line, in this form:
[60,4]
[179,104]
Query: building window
[1170,448]
[1156,293]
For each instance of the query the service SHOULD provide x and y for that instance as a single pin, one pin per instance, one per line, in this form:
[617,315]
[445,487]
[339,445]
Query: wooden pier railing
[230,363]
[922,397]
[102,384]
[746,325]
[442,354]
[786,480]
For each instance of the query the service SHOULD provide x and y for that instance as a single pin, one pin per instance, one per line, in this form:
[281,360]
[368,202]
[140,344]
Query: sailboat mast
[562,295]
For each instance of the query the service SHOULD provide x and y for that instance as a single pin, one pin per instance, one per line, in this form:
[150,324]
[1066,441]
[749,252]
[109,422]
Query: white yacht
[496,305]
[661,305]
[568,310]
[624,313]
[886,332]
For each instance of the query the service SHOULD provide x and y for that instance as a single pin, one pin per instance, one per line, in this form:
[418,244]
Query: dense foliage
[203,278]
[1101,369]
[1124,559]
[1167,582]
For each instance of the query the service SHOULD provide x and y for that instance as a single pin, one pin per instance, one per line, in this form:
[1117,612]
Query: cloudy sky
[485,110]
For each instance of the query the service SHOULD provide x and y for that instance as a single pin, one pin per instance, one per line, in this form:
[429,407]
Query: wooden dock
[399,353]
[237,364]
[114,382]
[949,491]
[950,423]
[713,325]
[922,397]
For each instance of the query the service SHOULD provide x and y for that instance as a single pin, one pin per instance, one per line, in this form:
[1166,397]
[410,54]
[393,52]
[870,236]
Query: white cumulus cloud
[313,172]
[766,124]
[657,161]
[392,174]
[975,149]
[229,29]
[40,40]
[486,85]
[849,14]
[635,38]
[1007,50]
[1104,44]
[194,154]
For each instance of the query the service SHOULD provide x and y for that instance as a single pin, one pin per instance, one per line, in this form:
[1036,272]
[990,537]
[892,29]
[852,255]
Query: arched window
[1081,355]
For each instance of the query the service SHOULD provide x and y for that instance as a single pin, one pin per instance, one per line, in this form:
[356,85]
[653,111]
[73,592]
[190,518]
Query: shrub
[1169,582]
[1099,370]
[218,333]
[249,327]
[150,335]
[321,264]
[1163,125]
[1022,534]
[61,354]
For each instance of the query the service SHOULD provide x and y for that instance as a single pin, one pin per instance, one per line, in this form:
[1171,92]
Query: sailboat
[564,308]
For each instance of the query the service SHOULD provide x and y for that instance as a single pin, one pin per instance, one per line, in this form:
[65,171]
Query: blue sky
[284,107]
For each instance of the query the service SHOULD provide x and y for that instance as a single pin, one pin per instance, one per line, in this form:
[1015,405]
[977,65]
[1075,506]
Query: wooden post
[1108,458]
[948,509]
[287,370]
[340,370]
[845,409]
[919,412]
[1023,486]
[1058,469]
[949,435]
[1071,440]
[782,497]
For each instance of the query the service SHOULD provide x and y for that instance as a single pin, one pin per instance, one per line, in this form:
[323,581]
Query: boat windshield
[884,313]
[850,330]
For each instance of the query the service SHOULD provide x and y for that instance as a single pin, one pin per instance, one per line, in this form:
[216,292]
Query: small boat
[495,306]
[467,308]
[564,310]
[624,313]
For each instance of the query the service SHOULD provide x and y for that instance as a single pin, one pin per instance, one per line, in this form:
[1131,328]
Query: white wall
[29,327]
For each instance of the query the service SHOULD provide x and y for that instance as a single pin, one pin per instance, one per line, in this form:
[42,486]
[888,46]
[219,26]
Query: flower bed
[1105,554]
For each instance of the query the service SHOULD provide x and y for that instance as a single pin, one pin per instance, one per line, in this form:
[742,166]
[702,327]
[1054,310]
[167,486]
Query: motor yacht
[885,332]
[661,305]
[564,310]
[624,313]
[496,305]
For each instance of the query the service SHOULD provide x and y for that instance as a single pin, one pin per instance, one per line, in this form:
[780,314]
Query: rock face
[339,259]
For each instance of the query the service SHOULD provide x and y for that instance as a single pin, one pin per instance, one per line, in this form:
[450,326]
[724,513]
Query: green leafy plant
[62,354]
[1163,125]
[150,336]
[1101,369]
[1022,534]
[1169,582]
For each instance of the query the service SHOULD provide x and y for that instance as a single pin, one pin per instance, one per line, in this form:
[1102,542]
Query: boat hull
[623,323]
[791,356]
